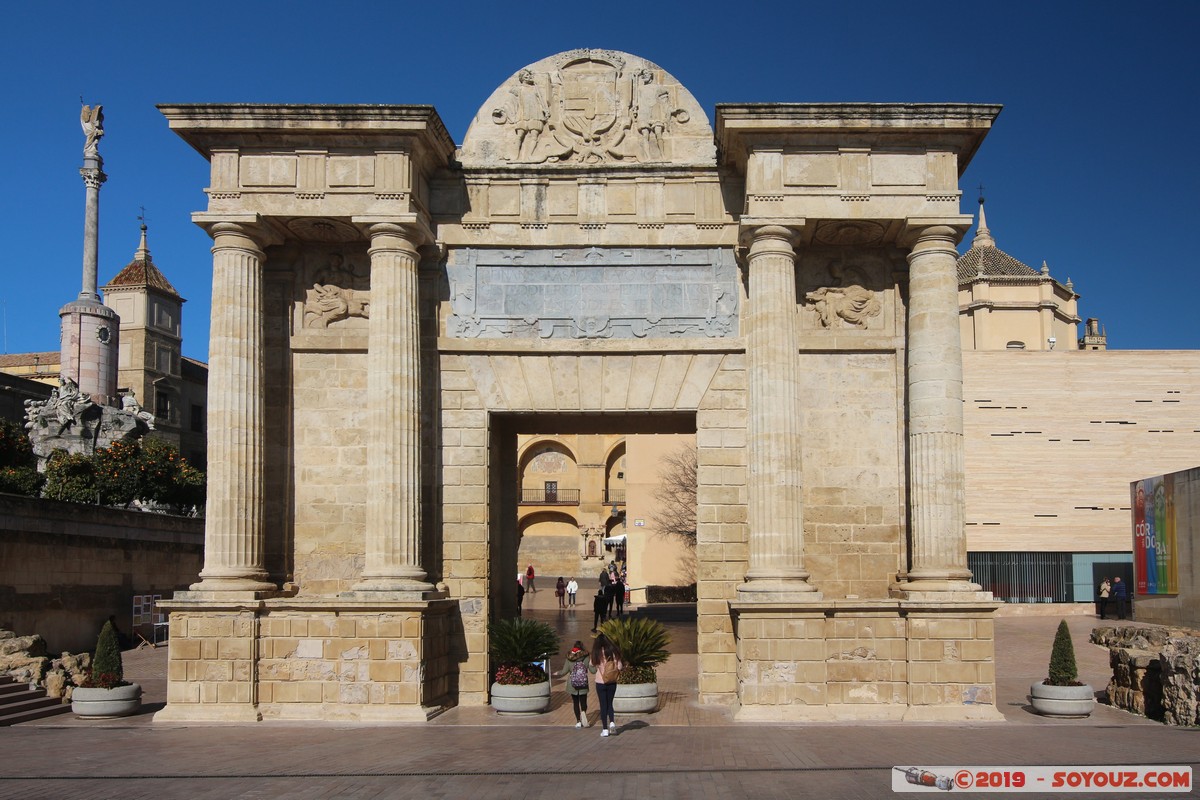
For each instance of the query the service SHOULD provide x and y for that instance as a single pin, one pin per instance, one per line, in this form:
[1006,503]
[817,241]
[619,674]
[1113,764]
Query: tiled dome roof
[142,272]
[992,261]
[984,258]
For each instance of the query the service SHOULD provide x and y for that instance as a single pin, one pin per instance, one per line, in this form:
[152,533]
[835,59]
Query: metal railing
[614,496]
[544,497]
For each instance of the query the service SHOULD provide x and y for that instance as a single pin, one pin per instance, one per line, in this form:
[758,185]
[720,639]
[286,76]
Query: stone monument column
[776,507]
[935,416]
[393,536]
[233,532]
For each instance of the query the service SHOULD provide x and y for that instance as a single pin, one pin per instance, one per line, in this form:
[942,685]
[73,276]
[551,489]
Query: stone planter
[1062,701]
[513,700]
[101,703]
[636,698]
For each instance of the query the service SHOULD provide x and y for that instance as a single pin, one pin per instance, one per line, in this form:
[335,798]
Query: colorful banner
[1154,546]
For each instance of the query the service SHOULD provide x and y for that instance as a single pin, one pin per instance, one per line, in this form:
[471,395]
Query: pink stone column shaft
[935,415]
[776,510]
[233,532]
[393,535]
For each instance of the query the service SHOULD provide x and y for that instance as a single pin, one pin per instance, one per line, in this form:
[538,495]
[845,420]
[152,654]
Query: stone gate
[390,311]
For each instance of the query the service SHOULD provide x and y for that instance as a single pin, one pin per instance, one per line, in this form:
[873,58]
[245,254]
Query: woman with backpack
[576,668]
[606,658]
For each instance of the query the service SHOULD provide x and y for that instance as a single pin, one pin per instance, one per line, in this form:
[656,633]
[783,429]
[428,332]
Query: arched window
[1015,345]
[592,549]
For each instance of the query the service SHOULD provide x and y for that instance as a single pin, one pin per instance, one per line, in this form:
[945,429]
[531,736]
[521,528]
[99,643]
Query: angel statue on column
[92,121]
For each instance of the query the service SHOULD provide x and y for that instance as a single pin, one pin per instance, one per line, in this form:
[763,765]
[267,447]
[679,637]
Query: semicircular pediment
[589,108]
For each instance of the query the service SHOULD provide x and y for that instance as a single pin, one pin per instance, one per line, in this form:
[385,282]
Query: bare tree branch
[676,495]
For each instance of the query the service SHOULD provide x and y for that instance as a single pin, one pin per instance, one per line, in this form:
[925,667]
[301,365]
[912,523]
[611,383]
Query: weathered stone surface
[1156,672]
[28,645]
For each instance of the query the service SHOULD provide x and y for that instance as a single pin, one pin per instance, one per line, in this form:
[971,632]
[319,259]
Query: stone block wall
[866,660]
[287,659]
[66,567]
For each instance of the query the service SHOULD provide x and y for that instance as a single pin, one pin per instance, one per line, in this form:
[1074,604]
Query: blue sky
[1092,166]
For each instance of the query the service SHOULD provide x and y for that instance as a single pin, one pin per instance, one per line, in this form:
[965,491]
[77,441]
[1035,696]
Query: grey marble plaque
[596,293]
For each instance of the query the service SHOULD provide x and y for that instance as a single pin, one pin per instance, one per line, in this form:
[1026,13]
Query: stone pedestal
[308,659]
[858,660]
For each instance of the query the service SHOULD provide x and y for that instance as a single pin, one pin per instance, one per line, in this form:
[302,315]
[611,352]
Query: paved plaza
[685,750]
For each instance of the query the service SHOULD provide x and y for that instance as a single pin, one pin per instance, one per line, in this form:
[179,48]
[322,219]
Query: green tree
[71,478]
[18,466]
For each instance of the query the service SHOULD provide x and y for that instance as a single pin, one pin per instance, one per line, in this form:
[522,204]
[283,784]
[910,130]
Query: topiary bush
[1063,670]
[107,671]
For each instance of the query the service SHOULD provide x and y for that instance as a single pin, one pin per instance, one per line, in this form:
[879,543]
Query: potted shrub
[106,693]
[643,644]
[1061,694]
[517,645]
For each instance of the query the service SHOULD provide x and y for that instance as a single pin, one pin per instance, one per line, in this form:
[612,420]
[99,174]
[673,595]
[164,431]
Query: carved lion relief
[335,290]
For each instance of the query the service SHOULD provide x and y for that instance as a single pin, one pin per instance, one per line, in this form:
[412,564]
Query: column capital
[753,232]
[92,177]
[405,226]
[920,229]
[252,228]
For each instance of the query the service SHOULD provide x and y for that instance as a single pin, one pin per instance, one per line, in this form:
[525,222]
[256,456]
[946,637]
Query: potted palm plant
[517,645]
[1062,694]
[643,644]
[106,693]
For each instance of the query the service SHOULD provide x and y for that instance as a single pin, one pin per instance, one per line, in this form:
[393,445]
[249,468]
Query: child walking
[577,668]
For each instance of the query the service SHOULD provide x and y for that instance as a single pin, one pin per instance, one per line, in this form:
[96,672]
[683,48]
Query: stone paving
[685,750]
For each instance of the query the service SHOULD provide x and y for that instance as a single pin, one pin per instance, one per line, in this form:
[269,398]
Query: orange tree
[18,473]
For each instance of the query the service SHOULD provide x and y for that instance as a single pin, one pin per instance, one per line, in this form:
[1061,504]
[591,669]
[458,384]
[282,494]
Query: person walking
[1120,594]
[619,594]
[610,589]
[560,591]
[577,667]
[520,595]
[599,607]
[572,589]
[529,576]
[606,658]
[1105,591]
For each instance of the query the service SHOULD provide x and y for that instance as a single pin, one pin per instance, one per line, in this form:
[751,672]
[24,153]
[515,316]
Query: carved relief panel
[845,289]
[589,107]
[596,293]
[332,290]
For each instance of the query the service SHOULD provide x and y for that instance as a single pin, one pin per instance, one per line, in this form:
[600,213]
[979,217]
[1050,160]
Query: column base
[778,591]
[410,588]
[233,583]
[940,591]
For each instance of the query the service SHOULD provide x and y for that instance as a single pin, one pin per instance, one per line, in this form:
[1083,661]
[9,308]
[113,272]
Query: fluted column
[776,511]
[233,532]
[935,416]
[393,535]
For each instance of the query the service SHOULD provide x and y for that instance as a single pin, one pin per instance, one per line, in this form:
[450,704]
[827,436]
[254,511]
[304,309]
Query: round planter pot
[532,699]
[636,698]
[1062,701]
[99,703]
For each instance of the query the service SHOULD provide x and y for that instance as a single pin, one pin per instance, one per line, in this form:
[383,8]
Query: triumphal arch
[391,310]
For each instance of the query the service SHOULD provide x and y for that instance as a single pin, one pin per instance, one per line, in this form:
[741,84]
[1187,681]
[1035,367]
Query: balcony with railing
[549,497]
[614,497]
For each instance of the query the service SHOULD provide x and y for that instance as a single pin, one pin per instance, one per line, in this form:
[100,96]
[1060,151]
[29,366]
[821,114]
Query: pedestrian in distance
[520,595]
[619,594]
[1105,591]
[529,576]
[599,609]
[1120,593]
[577,667]
[572,589]
[606,658]
[560,591]
[610,590]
